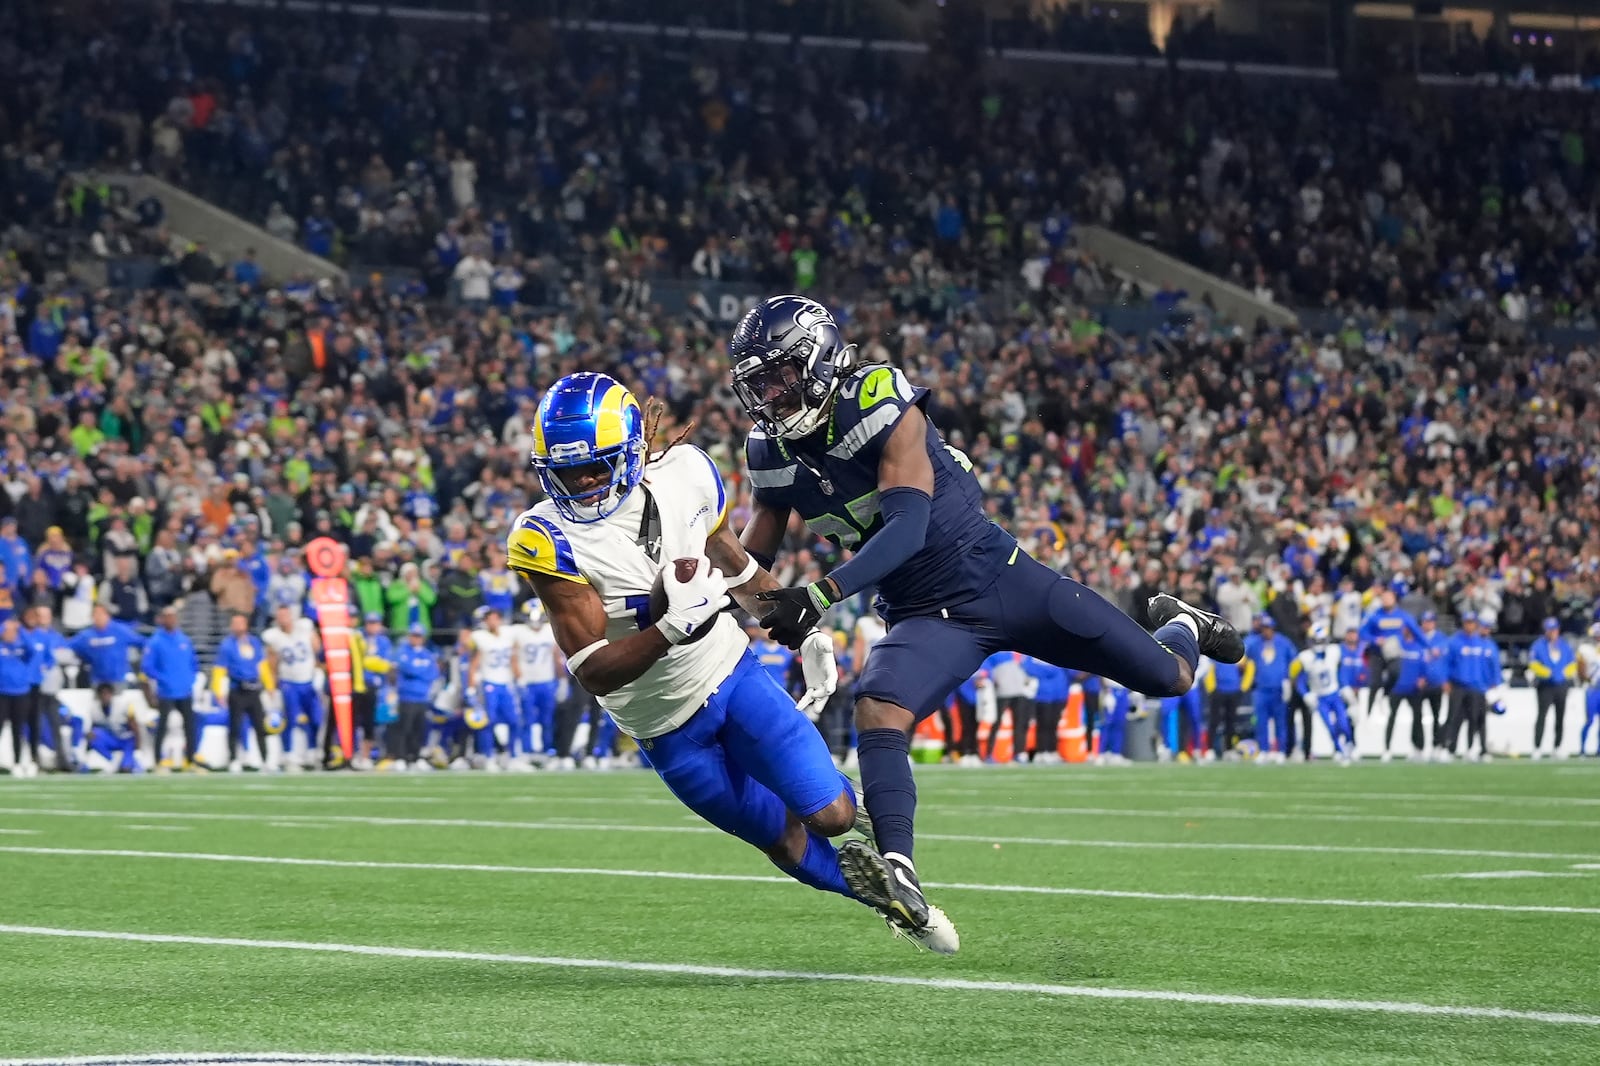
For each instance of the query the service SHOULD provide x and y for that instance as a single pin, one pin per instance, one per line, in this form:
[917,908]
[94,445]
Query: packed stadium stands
[510,208]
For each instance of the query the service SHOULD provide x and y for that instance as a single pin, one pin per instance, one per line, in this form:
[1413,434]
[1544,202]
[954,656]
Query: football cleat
[863,822]
[1218,640]
[938,936]
[886,883]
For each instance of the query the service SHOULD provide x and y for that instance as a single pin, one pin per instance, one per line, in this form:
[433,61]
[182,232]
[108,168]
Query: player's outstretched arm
[579,619]
[905,498]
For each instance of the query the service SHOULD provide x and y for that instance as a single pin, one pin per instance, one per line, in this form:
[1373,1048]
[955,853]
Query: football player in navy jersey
[847,446]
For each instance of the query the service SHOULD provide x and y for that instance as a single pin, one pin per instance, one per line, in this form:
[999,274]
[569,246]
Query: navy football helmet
[789,360]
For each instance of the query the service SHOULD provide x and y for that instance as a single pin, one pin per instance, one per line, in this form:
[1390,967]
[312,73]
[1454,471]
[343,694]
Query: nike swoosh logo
[702,603]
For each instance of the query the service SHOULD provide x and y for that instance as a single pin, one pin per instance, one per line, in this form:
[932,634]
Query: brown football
[684,569]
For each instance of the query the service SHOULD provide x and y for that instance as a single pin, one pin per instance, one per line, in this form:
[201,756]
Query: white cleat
[1443,755]
[1295,756]
[970,760]
[1387,757]
[493,767]
[236,767]
[522,766]
[293,767]
[567,763]
[1487,757]
[939,935]
[421,766]
[1537,755]
[1561,754]
[460,763]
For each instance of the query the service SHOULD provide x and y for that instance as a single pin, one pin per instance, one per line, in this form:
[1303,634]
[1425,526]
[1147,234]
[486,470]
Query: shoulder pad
[537,546]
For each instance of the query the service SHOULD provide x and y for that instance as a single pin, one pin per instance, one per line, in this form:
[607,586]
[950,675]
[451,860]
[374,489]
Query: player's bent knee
[836,819]
[1185,680]
[880,714]
[791,846]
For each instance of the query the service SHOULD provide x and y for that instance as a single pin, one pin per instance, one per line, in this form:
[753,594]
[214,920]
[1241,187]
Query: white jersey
[495,651]
[1321,667]
[536,652]
[869,630]
[607,555]
[122,718]
[296,651]
[1589,663]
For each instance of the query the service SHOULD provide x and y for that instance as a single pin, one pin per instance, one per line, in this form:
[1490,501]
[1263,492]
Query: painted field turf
[1285,915]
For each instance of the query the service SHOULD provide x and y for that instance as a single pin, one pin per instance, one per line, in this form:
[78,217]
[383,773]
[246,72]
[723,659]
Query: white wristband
[578,658]
[746,574]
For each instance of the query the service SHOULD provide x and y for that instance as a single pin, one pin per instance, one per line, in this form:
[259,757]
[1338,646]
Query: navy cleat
[1218,639]
[887,884]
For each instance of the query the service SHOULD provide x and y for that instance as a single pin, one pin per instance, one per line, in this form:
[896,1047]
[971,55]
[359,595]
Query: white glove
[692,604]
[820,670]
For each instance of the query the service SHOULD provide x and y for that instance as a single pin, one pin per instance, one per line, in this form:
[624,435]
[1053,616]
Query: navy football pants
[1029,608]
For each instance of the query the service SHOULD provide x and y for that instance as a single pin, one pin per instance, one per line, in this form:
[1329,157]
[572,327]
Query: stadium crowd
[167,445]
[549,148]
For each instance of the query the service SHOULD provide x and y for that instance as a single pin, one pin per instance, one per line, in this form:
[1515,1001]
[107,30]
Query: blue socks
[885,756]
[1180,640]
[819,866]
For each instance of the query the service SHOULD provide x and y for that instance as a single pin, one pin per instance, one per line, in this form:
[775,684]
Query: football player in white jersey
[293,647]
[722,735]
[1316,673]
[537,661]
[1589,674]
[491,683]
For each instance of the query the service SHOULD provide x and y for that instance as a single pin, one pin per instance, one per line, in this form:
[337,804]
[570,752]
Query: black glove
[795,612]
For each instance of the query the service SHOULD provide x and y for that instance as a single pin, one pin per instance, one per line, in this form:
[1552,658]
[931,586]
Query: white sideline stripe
[675,875]
[321,820]
[20,832]
[1500,875]
[1064,786]
[281,1058]
[1281,816]
[951,984]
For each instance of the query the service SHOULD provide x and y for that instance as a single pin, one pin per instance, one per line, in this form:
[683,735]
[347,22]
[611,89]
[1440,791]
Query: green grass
[66,996]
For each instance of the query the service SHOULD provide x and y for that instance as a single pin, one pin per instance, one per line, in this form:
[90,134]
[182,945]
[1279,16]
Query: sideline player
[293,646]
[537,656]
[848,447]
[709,719]
[1319,674]
[492,675]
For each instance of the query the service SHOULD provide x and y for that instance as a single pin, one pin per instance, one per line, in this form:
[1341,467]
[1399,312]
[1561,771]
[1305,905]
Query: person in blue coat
[1435,673]
[1224,683]
[1407,691]
[16,695]
[104,648]
[173,668]
[1268,655]
[1553,667]
[1049,700]
[47,643]
[1473,662]
[417,675]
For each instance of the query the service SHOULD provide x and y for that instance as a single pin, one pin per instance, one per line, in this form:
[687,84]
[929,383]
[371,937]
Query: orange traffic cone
[1071,738]
[1004,748]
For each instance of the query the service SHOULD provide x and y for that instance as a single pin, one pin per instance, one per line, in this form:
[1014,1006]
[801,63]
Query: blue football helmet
[789,360]
[588,445]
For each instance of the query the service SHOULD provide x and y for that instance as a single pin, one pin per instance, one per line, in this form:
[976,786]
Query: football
[684,568]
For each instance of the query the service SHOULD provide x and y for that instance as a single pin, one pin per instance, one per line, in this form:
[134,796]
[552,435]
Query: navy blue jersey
[830,479]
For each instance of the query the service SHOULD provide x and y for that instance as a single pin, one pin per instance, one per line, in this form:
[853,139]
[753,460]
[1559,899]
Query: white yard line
[1500,875]
[280,1058]
[1223,793]
[957,838]
[980,810]
[736,973]
[676,875]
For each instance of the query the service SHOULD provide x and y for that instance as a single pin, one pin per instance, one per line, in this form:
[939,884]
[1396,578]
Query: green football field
[1160,914]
